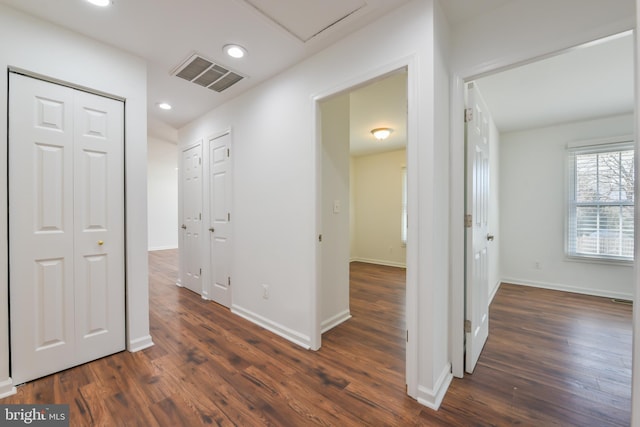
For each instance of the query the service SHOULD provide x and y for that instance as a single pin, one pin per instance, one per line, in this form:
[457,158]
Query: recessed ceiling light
[164,106]
[101,3]
[234,50]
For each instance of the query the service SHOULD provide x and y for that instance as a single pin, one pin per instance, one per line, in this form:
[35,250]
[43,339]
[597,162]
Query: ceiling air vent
[206,73]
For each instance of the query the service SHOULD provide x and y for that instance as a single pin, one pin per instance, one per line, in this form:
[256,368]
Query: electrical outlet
[265,291]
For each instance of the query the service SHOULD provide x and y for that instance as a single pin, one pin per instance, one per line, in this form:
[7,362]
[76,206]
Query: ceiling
[594,80]
[380,104]
[280,33]
[276,33]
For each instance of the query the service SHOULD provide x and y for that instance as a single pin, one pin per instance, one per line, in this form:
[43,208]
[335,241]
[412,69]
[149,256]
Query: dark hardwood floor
[552,359]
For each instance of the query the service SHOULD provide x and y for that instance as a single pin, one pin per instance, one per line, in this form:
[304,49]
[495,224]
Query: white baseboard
[334,321]
[6,388]
[432,398]
[566,288]
[494,291]
[289,334]
[161,248]
[380,262]
[140,344]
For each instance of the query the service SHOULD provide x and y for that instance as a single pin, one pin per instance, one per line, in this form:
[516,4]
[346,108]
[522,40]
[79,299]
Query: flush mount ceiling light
[234,50]
[101,3]
[164,106]
[381,133]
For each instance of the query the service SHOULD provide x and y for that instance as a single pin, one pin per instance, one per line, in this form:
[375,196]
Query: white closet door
[99,226]
[192,218]
[220,218]
[65,195]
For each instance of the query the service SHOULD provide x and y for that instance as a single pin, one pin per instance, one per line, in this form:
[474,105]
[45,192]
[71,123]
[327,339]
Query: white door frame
[457,157]
[410,63]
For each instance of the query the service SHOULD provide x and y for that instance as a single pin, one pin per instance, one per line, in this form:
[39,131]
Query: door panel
[220,216]
[99,225]
[40,228]
[192,218]
[96,294]
[58,211]
[477,264]
[50,308]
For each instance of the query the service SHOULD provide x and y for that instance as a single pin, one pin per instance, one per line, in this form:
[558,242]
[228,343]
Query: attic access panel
[306,19]
[206,73]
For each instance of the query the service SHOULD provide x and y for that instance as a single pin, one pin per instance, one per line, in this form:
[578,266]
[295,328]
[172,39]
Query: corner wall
[377,195]
[162,194]
[275,173]
[335,213]
[533,187]
[43,48]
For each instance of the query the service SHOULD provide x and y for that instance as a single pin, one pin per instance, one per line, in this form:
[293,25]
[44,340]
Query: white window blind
[601,204]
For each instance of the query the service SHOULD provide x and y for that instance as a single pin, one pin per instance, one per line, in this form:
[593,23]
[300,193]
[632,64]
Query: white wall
[40,47]
[334,292]
[377,195]
[275,172]
[533,169]
[162,199]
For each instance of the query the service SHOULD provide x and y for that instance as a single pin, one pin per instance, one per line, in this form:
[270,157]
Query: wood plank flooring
[552,359]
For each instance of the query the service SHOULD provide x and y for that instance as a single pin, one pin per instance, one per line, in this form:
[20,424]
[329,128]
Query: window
[601,205]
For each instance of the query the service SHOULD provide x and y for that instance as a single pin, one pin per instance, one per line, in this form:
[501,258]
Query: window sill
[599,260]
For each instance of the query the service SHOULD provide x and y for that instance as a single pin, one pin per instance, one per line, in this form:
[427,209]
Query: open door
[476,222]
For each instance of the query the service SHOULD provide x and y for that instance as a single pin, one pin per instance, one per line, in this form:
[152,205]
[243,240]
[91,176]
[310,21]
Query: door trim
[411,65]
[34,75]
[459,78]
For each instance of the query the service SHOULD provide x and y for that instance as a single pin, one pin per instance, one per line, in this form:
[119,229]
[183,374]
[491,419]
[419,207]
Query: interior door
[477,209]
[220,218]
[98,225]
[66,226]
[192,218]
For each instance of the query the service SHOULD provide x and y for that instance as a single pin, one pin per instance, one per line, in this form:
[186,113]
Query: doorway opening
[363,219]
[541,110]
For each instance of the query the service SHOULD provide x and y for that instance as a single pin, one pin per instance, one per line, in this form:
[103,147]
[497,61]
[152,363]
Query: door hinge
[201,272]
[468,115]
[228,153]
[228,216]
[319,237]
[467,326]
[199,160]
[200,216]
[468,221]
[407,335]
[228,281]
